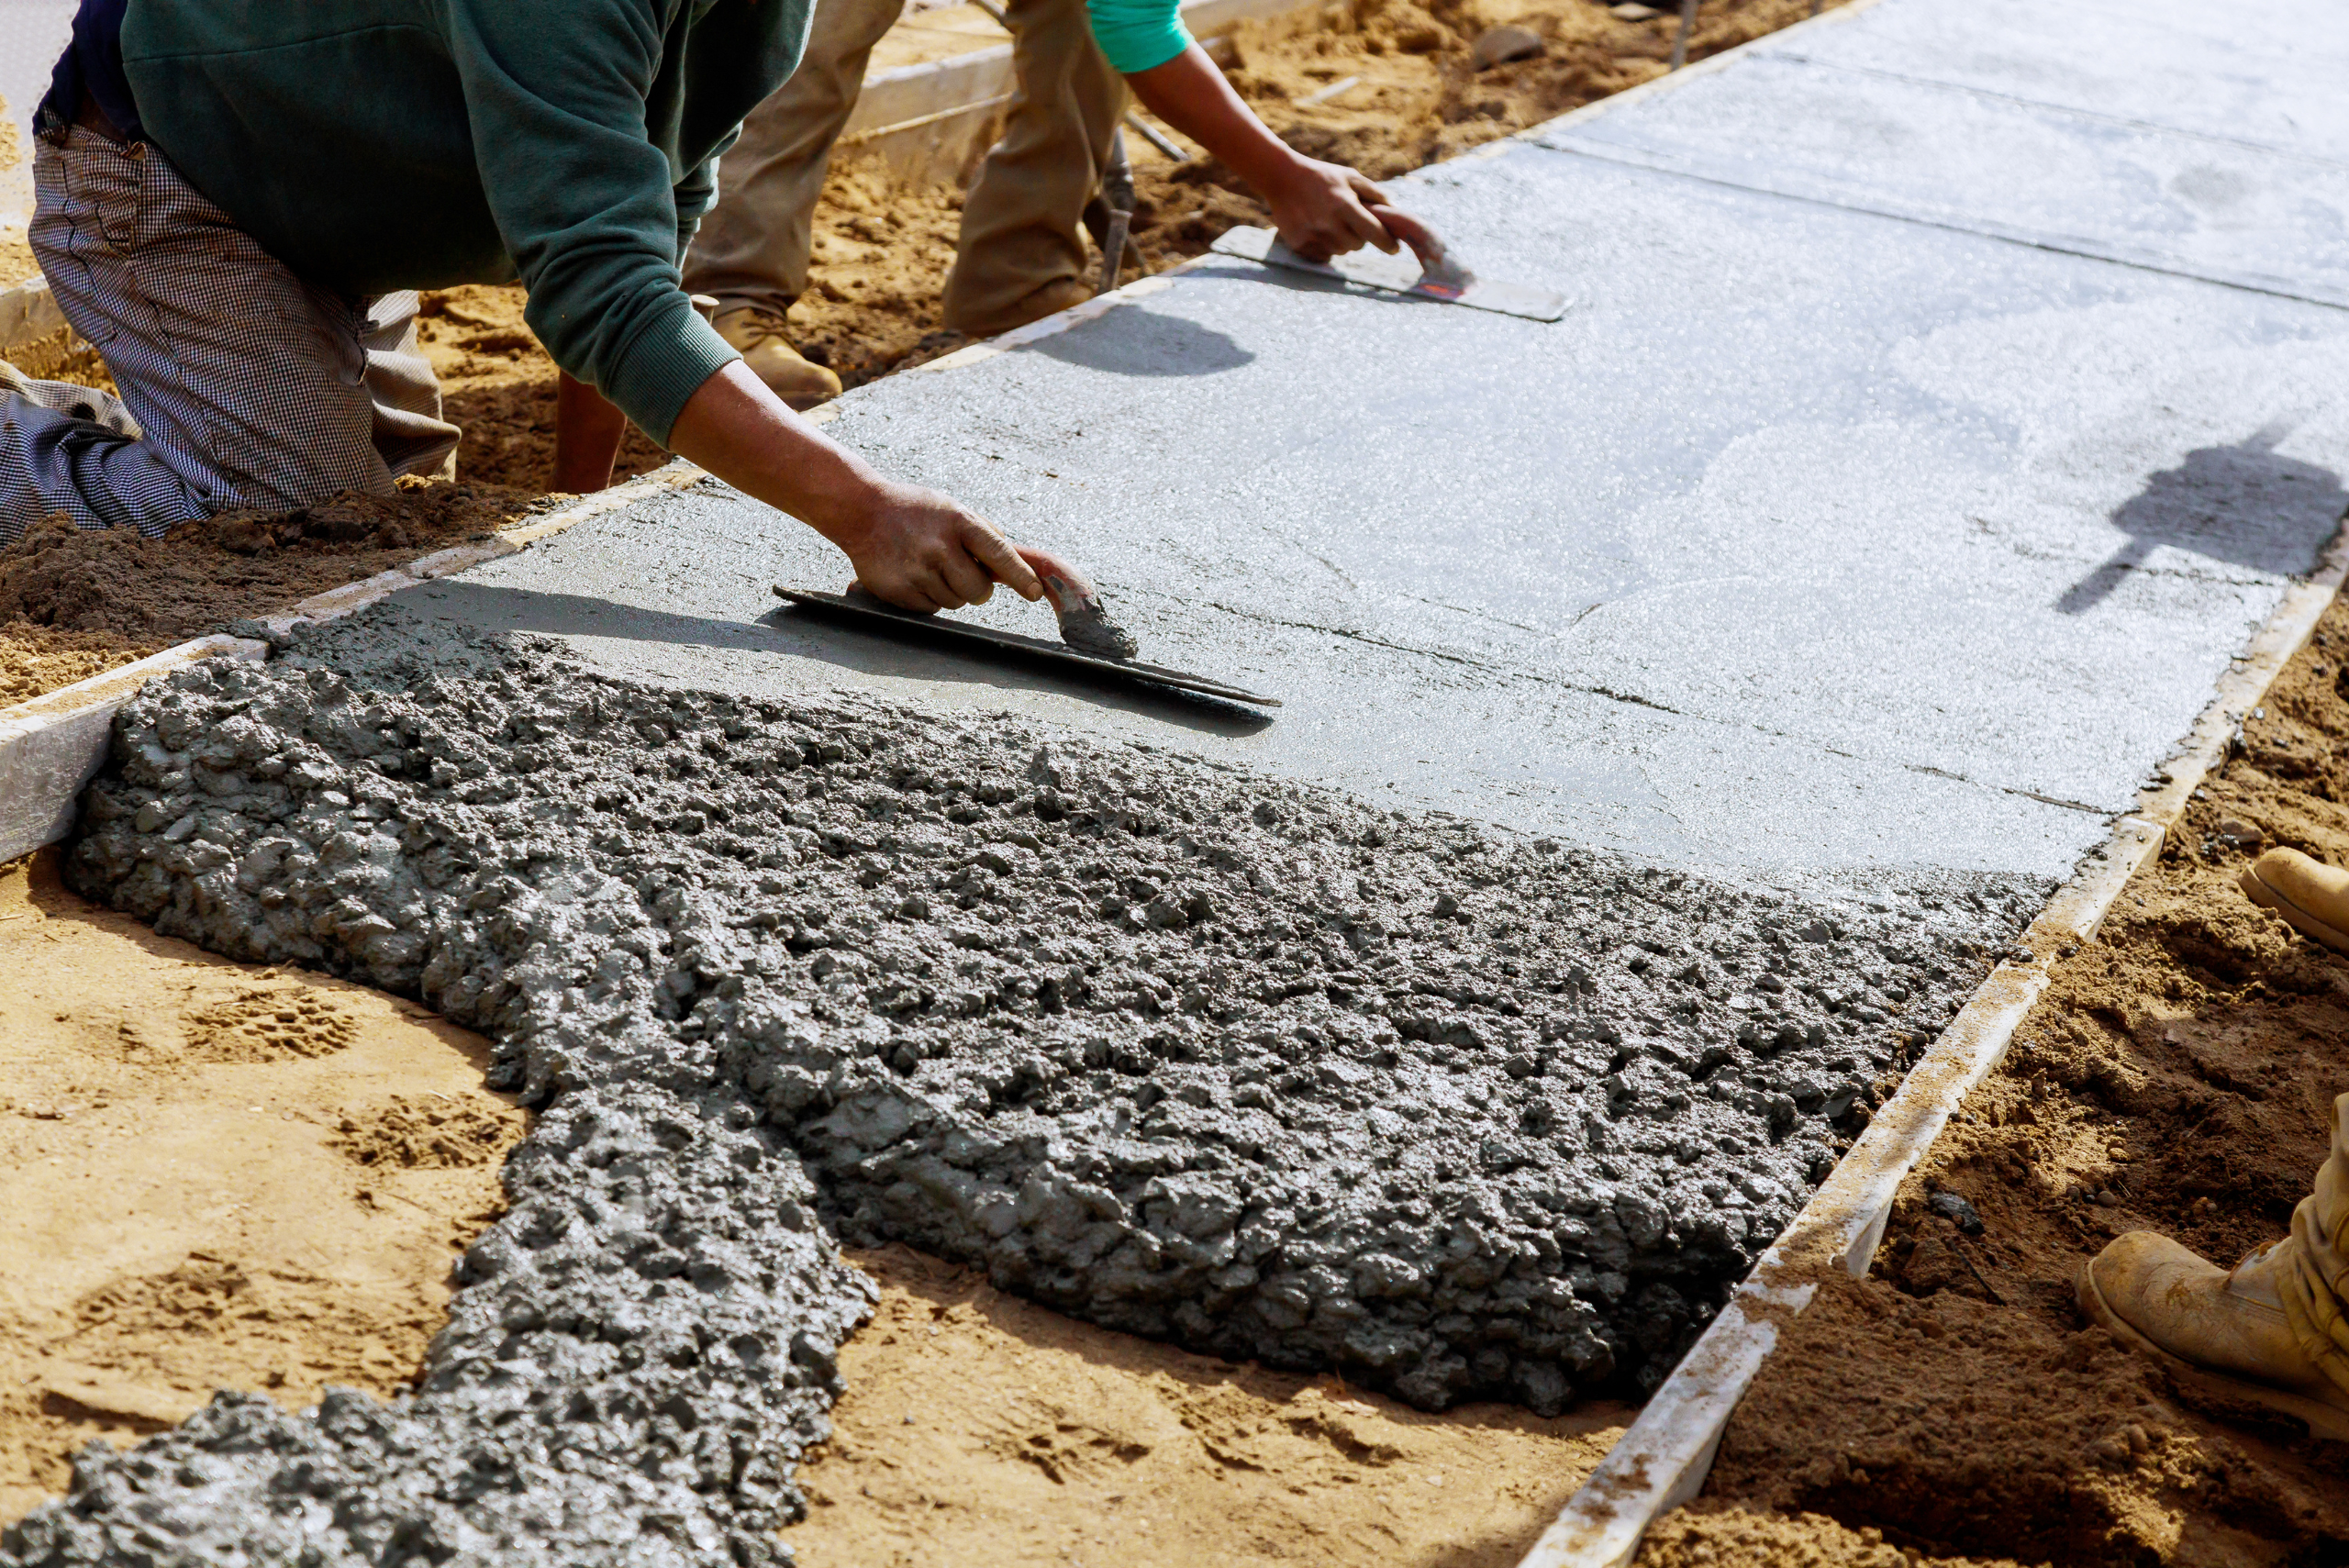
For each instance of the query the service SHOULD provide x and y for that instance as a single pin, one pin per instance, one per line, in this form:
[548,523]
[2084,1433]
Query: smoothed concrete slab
[1799,494]
[2266,76]
[2090,183]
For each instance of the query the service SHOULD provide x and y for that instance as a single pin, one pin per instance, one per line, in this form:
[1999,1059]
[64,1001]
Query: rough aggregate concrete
[1225,1059]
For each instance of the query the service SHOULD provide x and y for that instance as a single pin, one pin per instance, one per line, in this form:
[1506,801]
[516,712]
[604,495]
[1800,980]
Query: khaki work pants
[1022,219]
[2316,1295]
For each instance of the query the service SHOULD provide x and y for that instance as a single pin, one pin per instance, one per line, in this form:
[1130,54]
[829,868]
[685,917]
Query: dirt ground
[983,1430]
[74,604]
[213,1175]
[2178,1077]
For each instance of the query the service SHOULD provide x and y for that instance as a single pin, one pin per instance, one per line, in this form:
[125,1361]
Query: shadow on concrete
[2246,504]
[1146,344]
[913,656]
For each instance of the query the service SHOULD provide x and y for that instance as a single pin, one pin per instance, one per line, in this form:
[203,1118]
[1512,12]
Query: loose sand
[2178,1077]
[984,1431]
[75,603]
[213,1175]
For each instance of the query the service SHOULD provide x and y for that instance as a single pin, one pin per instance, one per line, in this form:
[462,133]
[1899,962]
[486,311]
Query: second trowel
[1431,271]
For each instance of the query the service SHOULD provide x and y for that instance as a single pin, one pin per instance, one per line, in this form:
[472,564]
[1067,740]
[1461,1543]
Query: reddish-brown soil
[74,602]
[2178,1077]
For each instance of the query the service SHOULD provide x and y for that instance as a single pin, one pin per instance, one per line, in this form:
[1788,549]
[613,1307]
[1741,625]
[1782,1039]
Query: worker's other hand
[921,551]
[1322,211]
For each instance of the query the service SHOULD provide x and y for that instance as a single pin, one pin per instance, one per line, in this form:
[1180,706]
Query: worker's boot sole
[2316,930]
[2322,1420]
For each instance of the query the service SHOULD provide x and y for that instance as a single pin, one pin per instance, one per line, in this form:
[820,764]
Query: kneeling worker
[1021,253]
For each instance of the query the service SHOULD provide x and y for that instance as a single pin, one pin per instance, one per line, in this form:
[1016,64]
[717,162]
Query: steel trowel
[1431,271]
[1091,640]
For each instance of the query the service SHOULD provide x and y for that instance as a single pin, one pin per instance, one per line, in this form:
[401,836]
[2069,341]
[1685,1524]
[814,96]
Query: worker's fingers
[1003,560]
[1374,202]
[962,574]
[1052,572]
[931,591]
[1361,228]
[899,592]
[1411,231]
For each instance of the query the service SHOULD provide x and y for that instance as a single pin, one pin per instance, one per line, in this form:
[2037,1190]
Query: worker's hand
[1060,578]
[1323,210]
[921,551]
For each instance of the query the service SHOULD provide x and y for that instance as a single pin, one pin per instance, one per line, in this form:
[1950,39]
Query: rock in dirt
[1498,46]
[1953,1207]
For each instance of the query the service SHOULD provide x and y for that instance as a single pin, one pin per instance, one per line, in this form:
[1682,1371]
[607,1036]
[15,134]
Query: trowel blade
[873,612]
[1398,273]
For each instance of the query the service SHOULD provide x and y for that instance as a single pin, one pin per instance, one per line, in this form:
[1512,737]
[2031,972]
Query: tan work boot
[1051,299]
[2227,1333]
[760,338]
[2311,895]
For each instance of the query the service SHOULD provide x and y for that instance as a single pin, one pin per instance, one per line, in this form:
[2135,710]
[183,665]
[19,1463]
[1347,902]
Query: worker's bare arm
[1321,210]
[587,431]
[915,548]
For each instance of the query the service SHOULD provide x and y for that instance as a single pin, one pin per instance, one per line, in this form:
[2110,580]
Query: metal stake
[1118,196]
[1687,20]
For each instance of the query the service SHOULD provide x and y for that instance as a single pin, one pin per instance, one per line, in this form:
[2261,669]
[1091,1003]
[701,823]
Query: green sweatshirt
[375,145]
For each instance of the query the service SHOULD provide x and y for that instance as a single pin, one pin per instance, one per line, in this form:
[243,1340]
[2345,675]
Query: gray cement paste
[1201,1054]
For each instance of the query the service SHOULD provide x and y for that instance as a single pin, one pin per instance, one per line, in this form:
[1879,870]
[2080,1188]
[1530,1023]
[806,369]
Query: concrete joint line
[1954,221]
[1662,1458]
[1670,80]
[53,745]
[2123,122]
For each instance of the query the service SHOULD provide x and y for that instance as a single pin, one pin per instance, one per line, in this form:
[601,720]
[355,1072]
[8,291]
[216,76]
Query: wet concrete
[1195,1053]
[1774,627]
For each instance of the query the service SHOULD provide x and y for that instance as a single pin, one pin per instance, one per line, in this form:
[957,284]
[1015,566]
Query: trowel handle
[1438,271]
[1065,587]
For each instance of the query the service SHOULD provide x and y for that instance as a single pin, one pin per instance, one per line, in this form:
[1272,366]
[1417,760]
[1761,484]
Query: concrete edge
[1662,1460]
[53,744]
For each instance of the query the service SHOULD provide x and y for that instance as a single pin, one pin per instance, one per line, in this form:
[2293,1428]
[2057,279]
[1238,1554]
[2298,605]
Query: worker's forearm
[915,548]
[587,434]
[742,432]
[1190,94]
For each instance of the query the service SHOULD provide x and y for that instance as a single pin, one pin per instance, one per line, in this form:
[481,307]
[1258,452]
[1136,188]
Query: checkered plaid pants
[241,386]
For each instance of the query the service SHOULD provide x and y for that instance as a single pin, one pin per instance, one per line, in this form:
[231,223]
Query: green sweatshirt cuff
[672,355]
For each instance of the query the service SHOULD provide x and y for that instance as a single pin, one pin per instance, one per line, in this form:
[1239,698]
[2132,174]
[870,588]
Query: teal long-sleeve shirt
[375,145]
